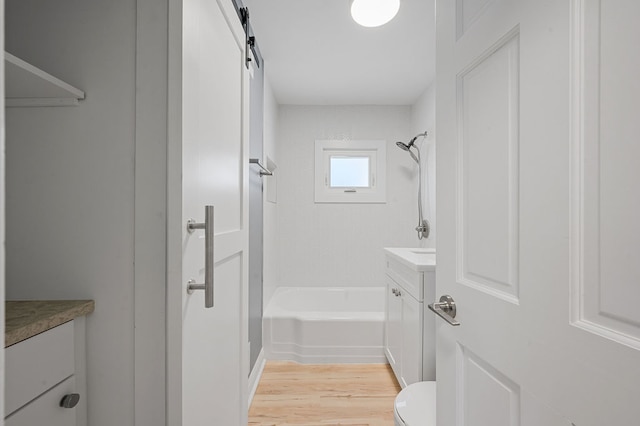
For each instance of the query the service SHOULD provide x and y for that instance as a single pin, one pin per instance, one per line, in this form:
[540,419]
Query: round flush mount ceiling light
[373,13]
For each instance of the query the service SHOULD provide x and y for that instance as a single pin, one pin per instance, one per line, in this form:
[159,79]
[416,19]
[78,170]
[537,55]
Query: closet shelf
[28,86]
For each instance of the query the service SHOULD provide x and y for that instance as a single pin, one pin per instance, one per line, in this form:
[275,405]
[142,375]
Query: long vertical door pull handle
[208,256]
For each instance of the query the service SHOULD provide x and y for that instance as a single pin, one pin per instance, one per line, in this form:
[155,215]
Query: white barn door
[212,386]
[538,206]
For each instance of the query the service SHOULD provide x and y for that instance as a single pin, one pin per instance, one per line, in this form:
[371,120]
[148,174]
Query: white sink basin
[418,259]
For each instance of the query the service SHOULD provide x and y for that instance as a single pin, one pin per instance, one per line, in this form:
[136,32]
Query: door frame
[150,213]
[2,206]
[174,215]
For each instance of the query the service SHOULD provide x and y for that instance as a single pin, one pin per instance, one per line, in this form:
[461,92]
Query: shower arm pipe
[423,135]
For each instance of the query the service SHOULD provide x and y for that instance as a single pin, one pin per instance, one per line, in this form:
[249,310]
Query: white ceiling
[315,54]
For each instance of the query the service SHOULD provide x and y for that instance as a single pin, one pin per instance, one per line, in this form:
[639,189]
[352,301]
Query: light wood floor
[291,394]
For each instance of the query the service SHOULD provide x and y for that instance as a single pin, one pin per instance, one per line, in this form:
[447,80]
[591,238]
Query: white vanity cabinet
[409,341]
[403,343]
[45,378]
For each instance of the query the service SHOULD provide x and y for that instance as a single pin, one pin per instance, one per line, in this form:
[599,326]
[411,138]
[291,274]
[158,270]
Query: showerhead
[403,146]
[406,146]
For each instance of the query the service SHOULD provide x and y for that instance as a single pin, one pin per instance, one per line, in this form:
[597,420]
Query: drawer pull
[70,400]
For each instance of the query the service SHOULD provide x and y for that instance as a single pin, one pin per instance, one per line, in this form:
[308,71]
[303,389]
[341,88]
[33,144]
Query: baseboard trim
[256,373]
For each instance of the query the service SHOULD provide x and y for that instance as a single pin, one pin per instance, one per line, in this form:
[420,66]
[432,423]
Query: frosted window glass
[349,172]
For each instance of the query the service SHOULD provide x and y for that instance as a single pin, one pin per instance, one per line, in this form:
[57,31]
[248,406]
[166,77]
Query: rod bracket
[264,171]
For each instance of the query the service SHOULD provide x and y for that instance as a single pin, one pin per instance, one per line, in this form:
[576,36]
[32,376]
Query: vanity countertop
[25,319]
[418,259]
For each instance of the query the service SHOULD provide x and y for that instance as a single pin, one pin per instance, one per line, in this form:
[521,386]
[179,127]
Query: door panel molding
[468,12]
[605,203]
[488,171]
[485,395]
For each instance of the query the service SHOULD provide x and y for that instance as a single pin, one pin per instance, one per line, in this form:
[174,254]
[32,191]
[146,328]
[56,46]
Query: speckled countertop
[25,319]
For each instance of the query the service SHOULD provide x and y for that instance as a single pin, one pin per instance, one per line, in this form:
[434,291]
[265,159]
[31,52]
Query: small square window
[350,171]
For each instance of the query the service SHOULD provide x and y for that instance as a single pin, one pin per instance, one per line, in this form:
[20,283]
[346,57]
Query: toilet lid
[416,404]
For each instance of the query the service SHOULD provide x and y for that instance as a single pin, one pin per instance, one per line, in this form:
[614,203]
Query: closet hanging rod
[264,171]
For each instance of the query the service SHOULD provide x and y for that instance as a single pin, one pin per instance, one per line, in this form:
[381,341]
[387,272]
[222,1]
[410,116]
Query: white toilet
[415,405]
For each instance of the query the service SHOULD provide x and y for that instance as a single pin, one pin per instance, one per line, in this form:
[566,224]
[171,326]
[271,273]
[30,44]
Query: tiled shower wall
[341,244]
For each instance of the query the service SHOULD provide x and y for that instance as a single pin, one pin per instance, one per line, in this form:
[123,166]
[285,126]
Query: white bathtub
[315,325]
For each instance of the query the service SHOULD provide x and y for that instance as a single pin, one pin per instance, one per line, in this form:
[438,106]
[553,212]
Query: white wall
[423,117]
[341,244]
[70,183]
[271,276]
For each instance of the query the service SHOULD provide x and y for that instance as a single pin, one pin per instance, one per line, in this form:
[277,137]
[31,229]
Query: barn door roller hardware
[250,39]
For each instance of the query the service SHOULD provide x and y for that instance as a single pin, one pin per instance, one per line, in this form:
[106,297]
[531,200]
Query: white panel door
[214,161]
[538,205]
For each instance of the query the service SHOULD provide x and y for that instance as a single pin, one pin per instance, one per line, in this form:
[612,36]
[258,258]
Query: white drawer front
[46,410]
[409,279]
[37,364]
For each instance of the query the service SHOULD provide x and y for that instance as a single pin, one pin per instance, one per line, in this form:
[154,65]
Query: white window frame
[376,150]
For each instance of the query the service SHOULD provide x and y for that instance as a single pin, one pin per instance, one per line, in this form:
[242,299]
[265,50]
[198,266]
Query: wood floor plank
[291,394]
